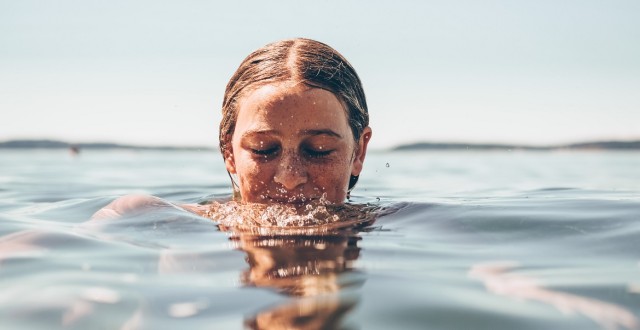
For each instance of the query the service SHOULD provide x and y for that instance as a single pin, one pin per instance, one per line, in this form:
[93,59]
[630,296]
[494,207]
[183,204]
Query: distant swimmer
[74,150]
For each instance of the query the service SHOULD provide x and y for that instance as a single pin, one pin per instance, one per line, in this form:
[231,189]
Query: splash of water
[310,218]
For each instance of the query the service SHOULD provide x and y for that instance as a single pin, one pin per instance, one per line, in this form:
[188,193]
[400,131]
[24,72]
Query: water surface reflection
[316,271]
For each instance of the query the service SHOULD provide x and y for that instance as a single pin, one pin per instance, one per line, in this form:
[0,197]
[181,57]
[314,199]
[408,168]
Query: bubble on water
[387,165]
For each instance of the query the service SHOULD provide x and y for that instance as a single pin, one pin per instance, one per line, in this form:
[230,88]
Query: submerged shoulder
[138,203]
[129,204]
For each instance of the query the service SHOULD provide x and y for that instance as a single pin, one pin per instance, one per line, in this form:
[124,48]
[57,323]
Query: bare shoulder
[130,204]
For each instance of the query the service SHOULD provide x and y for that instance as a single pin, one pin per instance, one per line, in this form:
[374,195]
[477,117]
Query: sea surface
[460,240]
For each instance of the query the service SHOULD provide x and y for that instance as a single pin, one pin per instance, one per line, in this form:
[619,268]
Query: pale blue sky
[154,72]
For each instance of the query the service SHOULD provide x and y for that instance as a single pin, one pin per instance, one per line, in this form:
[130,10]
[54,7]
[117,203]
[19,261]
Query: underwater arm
[198,209]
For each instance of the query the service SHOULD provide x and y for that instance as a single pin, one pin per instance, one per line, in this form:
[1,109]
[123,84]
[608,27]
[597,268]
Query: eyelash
[308,152]
[317,154]
[265,152]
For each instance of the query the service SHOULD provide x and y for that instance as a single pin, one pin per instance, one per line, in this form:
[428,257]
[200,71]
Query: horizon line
[46,143]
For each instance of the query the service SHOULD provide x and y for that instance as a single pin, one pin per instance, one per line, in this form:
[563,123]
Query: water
[465,240]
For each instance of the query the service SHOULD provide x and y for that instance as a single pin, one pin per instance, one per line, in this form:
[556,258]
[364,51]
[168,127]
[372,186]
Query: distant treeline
[52,144]
[596,145]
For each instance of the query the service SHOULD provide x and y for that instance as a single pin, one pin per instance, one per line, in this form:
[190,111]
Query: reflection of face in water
[317,270]
[306,254]
[299,265]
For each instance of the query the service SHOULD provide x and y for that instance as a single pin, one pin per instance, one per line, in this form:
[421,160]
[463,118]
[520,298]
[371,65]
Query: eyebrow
[311,132]
[320,132]
[259,132]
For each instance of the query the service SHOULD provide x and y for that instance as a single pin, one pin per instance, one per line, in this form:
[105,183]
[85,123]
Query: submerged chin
[296,200]
[304,194]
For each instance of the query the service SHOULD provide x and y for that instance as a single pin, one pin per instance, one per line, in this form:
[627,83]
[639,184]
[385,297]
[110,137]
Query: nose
[291,172]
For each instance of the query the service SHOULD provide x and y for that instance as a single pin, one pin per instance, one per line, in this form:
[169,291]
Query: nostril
[291,171]
[291,177]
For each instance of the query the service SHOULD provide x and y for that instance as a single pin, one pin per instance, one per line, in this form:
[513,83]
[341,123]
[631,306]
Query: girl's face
[292,144]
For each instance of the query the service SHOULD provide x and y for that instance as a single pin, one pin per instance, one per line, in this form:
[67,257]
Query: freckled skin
[292,144]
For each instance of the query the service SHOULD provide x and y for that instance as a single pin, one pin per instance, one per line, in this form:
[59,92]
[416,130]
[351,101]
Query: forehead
[286,107]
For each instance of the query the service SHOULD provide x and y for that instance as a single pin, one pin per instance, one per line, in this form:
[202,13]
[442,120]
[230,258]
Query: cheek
[253,176]
[332,179]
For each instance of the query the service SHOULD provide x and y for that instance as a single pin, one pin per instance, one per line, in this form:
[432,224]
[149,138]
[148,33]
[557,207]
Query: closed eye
[265,152]
[312,153]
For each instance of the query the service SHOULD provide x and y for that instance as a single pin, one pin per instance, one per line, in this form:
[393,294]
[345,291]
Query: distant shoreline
[418,146]
[55,144]
[593,145]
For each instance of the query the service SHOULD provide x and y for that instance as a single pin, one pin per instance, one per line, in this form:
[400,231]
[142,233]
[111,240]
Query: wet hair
[300,60]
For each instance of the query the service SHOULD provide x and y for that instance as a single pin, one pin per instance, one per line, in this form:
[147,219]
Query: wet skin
[293,144]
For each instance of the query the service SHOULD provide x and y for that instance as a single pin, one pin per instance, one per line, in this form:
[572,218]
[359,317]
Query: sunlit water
[458,240]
